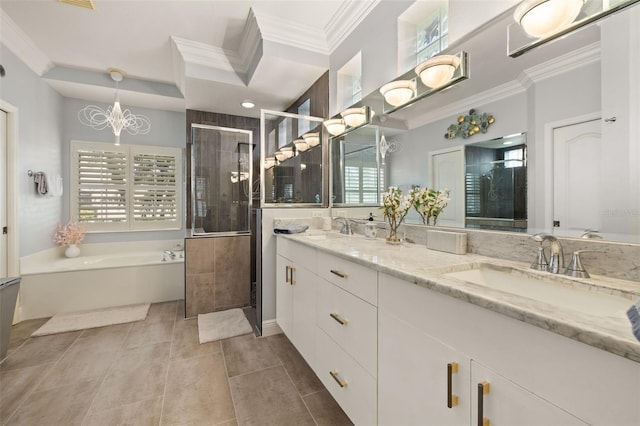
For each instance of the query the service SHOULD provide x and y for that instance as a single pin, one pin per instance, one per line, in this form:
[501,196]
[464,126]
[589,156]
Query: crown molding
[571,61]
[290,33]
[22,46]
[350,14]
[488,96]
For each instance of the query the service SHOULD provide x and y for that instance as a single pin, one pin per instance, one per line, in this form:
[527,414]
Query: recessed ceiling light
[248,104]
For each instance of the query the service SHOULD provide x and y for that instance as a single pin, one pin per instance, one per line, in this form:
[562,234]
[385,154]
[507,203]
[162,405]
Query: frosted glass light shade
[542,18]
[354,117]
[269,162]
[335,126]
[280,156]
[301,145]
[398,92]
[437,71]
[287,151]
[312,139]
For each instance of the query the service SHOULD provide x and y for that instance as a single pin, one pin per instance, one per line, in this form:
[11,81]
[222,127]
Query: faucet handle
[575,268]
[540,263]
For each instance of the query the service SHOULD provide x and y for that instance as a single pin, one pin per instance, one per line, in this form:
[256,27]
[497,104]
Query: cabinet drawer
[298,253]
[356,392]
[354,278]
[350,322]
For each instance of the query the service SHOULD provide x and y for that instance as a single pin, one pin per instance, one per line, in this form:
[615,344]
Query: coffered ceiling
[195,54]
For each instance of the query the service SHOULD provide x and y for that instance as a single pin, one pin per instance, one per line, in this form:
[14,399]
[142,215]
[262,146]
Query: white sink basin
[555,290]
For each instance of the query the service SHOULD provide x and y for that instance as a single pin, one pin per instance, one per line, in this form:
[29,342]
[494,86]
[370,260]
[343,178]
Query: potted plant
[69,236]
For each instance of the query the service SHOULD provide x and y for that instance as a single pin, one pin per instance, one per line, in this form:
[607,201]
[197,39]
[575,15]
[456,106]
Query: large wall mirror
[356,175]
[576,184]
[292,154]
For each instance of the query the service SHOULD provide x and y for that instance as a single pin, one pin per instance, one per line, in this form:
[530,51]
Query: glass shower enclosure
[221,176]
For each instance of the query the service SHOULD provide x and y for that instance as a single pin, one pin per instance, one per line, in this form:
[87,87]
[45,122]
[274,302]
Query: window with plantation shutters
[124,188]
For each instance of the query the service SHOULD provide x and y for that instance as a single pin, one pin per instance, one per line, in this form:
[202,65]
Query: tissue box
[450,242]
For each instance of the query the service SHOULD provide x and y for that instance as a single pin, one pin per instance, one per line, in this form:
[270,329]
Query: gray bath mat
[222,325]
[72,321]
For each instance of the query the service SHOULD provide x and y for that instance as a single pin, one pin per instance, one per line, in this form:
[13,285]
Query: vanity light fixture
[335,126]
[542,18]
[269,162]
[280,156]
[287,151]
[301,145]
[312,139]
[438,70]
[114,116]
[398,92]
[354,117]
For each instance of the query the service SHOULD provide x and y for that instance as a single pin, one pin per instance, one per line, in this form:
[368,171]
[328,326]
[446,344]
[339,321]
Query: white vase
[72,251]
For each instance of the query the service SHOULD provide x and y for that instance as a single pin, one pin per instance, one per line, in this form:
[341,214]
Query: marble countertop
[609,331]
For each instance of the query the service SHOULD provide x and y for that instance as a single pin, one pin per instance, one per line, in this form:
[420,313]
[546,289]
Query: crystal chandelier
[114,116]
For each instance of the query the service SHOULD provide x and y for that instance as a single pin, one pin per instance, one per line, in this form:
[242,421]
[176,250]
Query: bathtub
[104,275]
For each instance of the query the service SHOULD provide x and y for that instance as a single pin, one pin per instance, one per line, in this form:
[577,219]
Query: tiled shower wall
[218,274]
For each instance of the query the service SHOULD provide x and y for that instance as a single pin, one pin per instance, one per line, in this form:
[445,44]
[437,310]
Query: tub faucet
[170,253]
[556,255]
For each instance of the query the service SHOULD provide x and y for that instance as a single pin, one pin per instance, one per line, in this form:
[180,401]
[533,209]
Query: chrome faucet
[346,227]
[556,255]
[170,253]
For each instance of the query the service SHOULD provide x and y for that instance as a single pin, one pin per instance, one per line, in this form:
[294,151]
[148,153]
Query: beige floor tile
[180,310]
[147,333]
[197,392]
[186,343]
[15,386]
[39,350]
[142,413]
[88,358]
[136,375]
[229,423]
[300,372]
[248,353]
[325,410]
[64,406]
[22,331]
[268,397]
[165,311]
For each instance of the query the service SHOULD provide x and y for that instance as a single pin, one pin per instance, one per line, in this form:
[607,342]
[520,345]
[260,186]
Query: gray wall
[39,149]
[167,129]
[47,123]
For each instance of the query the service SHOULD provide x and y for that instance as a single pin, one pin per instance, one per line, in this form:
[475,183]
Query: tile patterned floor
[154,372]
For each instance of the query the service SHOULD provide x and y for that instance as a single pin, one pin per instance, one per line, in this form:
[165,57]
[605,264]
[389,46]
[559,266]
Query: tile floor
[154,372]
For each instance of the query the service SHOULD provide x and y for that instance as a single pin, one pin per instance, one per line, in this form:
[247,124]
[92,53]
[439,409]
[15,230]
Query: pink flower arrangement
[71,233]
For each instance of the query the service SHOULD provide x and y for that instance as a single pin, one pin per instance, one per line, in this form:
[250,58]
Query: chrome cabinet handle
[452,400]
[337,318]
[483,388]
[338,273]
[342,383]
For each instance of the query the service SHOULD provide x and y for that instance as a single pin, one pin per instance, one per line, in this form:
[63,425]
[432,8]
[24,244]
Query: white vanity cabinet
[535,376]
[420,380]
[296,284]
[347,344]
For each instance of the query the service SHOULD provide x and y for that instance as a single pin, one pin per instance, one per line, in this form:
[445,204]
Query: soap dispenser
[370,230]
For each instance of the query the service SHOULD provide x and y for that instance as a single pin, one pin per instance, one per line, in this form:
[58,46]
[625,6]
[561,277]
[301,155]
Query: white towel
[55,186]
[42,185]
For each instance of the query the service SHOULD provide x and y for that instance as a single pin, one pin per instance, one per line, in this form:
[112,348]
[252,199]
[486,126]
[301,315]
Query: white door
[577,178]
[3,193]
[507,403]
[447,171]
[413,377]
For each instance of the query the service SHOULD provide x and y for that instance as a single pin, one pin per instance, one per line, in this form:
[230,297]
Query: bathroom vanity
[406,335]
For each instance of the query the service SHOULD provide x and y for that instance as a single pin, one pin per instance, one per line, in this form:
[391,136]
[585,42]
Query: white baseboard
[270,327]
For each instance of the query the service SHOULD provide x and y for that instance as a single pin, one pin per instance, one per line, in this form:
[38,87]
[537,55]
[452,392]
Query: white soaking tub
[104,275]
